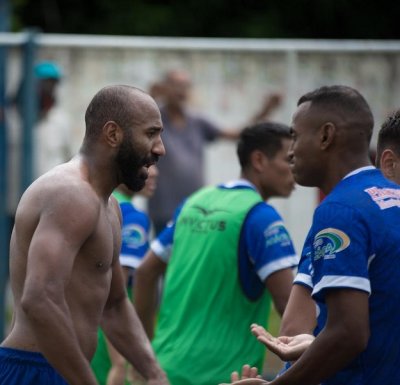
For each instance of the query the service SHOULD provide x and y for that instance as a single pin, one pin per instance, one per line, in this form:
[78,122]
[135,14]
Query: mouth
[150,162]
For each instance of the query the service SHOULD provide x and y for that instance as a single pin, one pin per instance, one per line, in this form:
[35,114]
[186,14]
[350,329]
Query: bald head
[346,108]
[177,85]
[119,103]
[177,75]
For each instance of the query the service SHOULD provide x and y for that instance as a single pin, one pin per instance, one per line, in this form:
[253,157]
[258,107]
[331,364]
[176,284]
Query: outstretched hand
[286,348]
[249,376]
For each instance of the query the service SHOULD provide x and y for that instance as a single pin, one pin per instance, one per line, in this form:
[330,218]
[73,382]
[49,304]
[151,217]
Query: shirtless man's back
[64,269]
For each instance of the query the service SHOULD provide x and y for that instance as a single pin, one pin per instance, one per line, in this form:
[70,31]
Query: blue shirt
[135,232]
[355,244]
[264,248]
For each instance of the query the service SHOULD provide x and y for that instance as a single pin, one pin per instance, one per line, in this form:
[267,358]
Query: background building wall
[230,79]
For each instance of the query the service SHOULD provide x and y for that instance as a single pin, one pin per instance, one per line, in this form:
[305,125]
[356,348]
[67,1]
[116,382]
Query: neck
[246,175]
[98,171]
[337,170]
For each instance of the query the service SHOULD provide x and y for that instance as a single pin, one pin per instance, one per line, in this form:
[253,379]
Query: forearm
[146,296]
[117,372]
[124,330]
[57,341]
[300,314]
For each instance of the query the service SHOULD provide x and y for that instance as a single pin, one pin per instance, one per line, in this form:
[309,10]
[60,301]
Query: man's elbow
[35,303]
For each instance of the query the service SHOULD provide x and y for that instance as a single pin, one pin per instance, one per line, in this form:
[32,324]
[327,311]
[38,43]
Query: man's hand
[286,348]
[249,377]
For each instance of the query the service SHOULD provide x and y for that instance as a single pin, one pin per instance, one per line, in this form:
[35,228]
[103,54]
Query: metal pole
[29,109]
[4,223]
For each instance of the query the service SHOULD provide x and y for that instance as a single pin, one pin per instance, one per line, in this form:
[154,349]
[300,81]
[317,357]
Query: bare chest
[102,248]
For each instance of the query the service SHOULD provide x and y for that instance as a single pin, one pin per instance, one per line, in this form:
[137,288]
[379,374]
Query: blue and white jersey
[135,233]
[356,245]
[265,245]
[304,270]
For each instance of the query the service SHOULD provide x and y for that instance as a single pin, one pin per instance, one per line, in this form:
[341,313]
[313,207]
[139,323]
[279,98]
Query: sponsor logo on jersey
[134,236]
[207,212]
[329,242]
[385,198]
[276,233]
[206,222]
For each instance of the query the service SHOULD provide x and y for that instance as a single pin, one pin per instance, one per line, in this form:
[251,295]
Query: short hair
[389,136]
[112,103]
[266,137]
[345,101]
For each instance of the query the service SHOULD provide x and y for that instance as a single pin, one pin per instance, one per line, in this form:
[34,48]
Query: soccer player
[352,245]
[231,254]
[64,252]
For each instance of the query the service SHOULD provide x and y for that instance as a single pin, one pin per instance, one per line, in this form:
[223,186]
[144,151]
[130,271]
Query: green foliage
[212,18]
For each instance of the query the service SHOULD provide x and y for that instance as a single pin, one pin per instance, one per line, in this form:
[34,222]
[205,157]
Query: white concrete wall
[230,78]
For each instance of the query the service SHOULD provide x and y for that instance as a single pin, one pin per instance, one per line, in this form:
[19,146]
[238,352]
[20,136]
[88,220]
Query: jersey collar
[239,183]
[358,170]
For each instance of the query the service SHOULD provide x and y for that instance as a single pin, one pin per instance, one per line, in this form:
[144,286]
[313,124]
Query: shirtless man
[65,274]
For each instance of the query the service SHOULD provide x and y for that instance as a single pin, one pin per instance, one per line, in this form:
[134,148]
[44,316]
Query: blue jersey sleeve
[162,245]
[269,245]
[340,251]
[134,234]
[304,270]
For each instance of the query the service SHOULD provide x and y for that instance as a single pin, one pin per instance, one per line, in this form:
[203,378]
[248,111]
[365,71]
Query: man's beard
[130,165]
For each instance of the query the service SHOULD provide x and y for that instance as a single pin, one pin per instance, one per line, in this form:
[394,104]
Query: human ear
[112,133]
[388,163]
[258,159]
[326,134]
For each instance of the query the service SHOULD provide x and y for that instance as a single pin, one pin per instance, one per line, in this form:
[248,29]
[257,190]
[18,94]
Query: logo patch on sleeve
[134,236]
[276,233]
[329,242]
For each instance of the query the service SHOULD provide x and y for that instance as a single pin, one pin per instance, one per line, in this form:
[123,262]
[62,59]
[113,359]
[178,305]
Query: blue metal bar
[4,223]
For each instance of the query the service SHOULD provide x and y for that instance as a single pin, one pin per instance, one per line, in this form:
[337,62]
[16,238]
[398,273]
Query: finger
[245,371]
[259,330]
[253,372]
[250,381]
[235,376]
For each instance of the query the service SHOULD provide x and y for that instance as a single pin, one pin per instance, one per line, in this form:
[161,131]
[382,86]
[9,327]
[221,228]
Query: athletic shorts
[20,367]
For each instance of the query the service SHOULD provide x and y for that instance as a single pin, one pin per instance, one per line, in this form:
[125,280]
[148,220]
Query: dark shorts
[19,367]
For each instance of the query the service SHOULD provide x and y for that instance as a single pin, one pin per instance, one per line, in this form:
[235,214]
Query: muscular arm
[279,285]
[344,337]
[62,229]
[146,289]
[124,330]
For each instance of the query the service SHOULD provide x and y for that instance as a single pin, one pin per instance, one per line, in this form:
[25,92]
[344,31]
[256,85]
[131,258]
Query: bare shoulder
[62,192]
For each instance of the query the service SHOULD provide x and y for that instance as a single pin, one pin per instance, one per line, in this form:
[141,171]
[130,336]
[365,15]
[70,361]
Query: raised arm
[270,103]
[147,280]
[60,233]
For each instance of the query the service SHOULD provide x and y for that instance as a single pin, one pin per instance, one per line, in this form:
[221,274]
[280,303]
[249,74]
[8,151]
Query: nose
[159,148]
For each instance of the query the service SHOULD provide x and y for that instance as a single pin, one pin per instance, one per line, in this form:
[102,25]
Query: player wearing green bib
[228,246]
